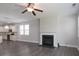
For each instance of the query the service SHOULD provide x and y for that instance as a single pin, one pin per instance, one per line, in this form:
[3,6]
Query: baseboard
[25,41]
[68,45]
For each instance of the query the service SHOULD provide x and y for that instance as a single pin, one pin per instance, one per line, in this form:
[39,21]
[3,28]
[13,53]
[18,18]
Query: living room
[53,30]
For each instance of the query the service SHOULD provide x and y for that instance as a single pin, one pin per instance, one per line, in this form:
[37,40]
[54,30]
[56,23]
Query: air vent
[74,4]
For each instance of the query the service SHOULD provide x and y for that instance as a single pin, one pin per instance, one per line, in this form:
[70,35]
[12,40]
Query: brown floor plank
[15,48]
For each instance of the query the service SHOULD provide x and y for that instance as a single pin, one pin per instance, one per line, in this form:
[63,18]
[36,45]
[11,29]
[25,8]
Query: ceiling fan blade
[28,4]
[24,11]
[38,10]
[33,13]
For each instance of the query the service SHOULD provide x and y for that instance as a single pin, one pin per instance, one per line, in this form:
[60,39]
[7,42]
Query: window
[21,30]
[24,29]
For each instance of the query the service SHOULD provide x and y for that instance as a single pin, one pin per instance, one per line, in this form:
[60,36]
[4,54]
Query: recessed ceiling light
[6,27]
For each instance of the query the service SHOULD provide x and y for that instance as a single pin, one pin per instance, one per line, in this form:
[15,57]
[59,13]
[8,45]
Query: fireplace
[44,39]
[48,40]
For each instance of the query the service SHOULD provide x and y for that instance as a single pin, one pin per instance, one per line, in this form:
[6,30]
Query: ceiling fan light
[30,9]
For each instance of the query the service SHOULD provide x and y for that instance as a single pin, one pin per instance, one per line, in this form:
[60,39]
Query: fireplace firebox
[48,40]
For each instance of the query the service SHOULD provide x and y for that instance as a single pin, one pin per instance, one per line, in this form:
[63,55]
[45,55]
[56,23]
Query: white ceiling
[11,12]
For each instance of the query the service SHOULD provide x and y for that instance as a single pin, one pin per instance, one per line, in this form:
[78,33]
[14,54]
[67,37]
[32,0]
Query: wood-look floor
[15,48]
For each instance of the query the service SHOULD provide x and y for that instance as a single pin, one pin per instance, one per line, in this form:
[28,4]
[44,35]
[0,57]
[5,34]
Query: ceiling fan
[30,8]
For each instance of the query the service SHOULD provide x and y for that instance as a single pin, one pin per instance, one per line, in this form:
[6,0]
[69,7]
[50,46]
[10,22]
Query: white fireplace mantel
[48,33]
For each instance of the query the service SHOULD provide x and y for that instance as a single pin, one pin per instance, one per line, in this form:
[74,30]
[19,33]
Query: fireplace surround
[52,35]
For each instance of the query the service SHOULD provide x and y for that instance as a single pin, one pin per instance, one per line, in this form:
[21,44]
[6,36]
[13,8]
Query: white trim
[68,45]
[26,41]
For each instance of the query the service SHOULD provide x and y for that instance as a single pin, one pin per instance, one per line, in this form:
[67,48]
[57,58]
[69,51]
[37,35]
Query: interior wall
[78,32]
[65,28]
[48,24]
[34,32]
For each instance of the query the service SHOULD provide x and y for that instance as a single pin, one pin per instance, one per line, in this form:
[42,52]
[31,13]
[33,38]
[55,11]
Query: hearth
[48,40]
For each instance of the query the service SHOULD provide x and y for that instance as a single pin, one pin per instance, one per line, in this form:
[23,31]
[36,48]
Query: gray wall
[65,28]
[48,24]
[78,32]
[34,32]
